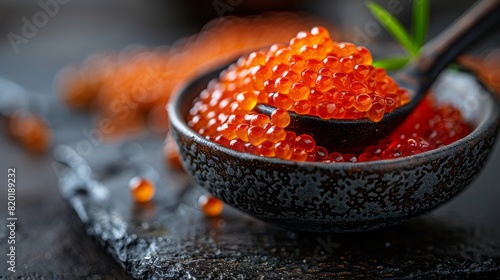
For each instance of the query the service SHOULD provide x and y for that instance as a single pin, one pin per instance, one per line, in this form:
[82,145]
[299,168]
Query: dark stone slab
[170,238]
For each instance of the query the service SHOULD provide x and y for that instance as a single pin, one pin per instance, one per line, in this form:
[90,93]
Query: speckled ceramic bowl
[342,197]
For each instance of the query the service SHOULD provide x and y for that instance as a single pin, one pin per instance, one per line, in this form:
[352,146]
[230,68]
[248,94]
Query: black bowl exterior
[336,197]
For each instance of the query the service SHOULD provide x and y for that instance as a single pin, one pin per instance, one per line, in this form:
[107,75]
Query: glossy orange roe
[210,206]
[30,130]
[142,189]
[336,80]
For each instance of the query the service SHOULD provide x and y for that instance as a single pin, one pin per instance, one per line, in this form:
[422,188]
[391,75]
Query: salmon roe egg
[210,206]
[302,107]
[299,91]
[280,118]
[306,142]
[275,134]
[256,135]
[283,149]
[246,100]
[142,189]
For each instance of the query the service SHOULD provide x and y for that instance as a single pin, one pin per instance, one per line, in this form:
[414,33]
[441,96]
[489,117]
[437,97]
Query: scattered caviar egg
[30,130]
[315,76]
[210,206]
[142,189]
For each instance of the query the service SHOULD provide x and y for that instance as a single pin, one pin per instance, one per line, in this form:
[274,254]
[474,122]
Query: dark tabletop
[52,241]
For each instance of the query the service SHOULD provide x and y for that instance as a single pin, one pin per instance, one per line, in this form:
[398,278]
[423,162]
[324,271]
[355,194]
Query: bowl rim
[178,122]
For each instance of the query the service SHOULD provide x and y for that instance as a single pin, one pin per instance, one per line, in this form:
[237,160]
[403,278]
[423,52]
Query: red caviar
[314,75]
[210,206]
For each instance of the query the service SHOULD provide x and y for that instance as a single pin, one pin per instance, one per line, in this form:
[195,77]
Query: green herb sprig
[412,44]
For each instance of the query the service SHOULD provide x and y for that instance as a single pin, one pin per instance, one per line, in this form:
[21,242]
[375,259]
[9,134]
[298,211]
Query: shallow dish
[342,197]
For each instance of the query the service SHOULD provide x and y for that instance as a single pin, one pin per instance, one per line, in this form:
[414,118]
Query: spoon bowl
[341,197]
[342,135]
[416,78]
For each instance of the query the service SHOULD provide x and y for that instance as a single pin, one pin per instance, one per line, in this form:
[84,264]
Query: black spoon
[417,77]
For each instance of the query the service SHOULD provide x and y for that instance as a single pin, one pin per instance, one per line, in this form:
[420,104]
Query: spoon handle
[439,52]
